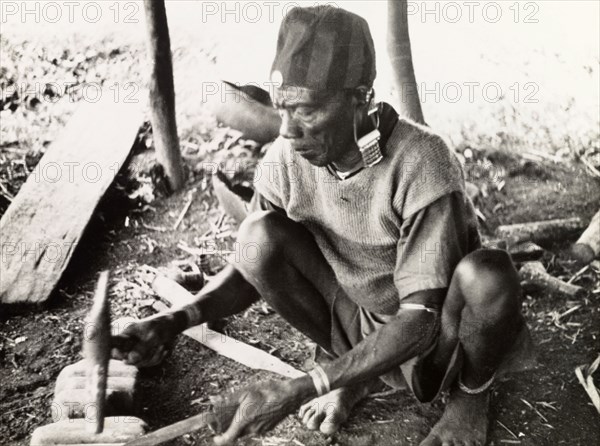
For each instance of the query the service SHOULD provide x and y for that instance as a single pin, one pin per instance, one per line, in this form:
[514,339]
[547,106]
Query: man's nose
[289,127]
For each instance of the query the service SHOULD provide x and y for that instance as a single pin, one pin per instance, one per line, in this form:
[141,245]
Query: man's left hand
[255,409]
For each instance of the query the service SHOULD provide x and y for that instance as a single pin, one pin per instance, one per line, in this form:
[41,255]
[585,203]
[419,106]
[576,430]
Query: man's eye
[305,111]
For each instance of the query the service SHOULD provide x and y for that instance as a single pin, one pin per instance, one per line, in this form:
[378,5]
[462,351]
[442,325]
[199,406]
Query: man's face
[318,125]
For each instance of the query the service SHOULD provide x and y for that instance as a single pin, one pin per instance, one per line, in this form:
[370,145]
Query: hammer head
[96,349]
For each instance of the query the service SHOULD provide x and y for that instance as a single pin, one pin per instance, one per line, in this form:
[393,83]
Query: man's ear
[363,95]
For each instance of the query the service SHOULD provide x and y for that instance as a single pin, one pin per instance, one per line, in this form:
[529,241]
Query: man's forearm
[227,293]
[408,335]
[389,346]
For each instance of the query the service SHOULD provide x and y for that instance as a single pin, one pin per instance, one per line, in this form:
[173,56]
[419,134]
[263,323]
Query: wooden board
[231,348]
[44,223]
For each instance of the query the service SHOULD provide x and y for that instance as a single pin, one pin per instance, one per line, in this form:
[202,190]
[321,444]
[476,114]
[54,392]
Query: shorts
[350,324]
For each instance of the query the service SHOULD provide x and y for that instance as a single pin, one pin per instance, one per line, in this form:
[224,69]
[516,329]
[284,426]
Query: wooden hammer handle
[96,349]
[171,431]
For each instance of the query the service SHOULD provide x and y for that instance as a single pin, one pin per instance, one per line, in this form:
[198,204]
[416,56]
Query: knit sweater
[357,222]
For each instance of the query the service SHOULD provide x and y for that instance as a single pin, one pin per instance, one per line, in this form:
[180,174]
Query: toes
[115,353]
[332,421]
[307,414]
[310,417]
[304,408]
[313,420]
[330,427]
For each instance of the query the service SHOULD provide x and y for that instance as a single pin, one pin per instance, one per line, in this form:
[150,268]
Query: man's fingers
[133,358]
[303,410]
[121,346]
[122,342]
[115,353]
[233,432]
[157,357]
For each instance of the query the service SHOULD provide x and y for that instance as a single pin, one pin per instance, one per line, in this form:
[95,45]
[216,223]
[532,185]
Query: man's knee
[261,235]
[256,227]
[489,283]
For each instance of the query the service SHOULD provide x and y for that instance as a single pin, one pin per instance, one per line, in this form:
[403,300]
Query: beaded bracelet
[479,389]
[320,380]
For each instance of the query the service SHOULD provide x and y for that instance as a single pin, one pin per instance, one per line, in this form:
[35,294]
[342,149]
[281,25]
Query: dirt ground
[544,406]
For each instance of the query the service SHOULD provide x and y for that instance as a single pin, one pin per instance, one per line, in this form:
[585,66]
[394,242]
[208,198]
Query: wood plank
[43,225]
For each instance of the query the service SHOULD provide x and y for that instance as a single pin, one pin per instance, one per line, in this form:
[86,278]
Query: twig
[216,225]
[542,155]
[535,410]
[223,235]
[10,197]
[587,381]
[569,311]
[154,228]
[548,405]
[190,250]
[578,274]
[507,429]
[593,171]
[575,336]
[384,393]
[220,220]
[185,209]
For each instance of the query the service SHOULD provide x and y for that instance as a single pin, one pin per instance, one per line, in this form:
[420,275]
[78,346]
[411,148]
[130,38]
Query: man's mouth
[302,150]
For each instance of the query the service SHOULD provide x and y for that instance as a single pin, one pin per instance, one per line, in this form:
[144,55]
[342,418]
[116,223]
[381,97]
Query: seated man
[368,246]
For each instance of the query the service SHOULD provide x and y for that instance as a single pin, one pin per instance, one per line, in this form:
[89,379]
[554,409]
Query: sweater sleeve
[270,175]
[260,203]
[429,171]
[432,242]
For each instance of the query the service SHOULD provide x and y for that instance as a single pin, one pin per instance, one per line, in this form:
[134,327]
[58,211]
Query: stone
[117,430]
[73,400]
[77,401]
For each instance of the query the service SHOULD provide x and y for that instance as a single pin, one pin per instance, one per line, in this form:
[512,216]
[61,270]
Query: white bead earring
[369,144]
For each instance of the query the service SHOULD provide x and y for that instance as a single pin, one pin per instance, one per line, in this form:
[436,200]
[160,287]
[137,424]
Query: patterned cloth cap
[324,48]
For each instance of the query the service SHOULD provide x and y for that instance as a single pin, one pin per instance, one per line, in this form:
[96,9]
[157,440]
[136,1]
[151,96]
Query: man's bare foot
[464,421]
[328,412]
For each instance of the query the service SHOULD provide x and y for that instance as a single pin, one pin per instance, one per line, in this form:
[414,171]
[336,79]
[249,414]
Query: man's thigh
[267,239]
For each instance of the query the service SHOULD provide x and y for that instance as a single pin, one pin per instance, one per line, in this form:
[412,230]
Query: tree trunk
[535,274]
[541,232]
[587,246]
[398,46]
[162,94]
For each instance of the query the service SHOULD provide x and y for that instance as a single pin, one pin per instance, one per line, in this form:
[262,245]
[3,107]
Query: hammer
[96,352]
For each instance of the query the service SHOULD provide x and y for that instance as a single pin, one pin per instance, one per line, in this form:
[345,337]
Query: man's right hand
[147,342]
